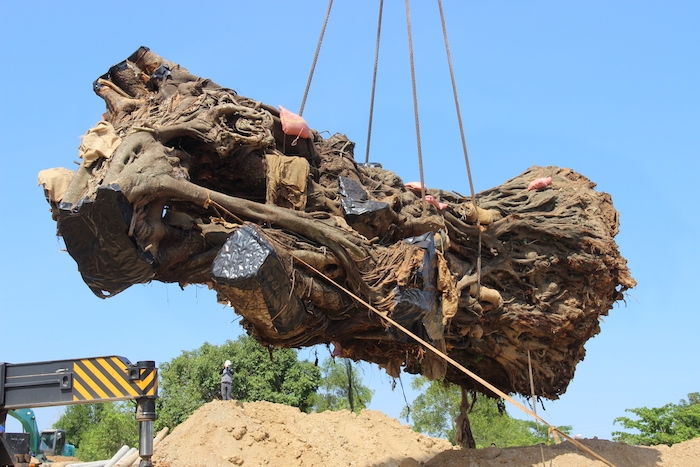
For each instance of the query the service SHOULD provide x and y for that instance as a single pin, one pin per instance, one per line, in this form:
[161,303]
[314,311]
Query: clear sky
[609,89]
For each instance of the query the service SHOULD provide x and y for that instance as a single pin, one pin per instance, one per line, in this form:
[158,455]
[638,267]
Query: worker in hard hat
[226,380]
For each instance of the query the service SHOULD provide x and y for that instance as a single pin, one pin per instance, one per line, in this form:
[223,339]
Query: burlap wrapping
[99,141]
[55,182]
[287,177]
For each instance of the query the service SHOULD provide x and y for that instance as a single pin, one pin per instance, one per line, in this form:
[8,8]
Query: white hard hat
[227,363]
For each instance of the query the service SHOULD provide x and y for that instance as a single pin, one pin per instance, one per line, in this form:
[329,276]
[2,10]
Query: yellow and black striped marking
[107,378]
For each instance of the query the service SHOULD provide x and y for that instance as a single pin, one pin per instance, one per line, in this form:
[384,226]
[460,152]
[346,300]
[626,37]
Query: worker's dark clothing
[226,380]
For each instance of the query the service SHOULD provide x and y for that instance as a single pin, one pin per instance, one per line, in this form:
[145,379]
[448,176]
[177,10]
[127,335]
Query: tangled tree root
[191,195]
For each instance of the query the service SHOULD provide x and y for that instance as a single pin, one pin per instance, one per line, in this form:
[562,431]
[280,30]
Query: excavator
[44,443]
[67,382]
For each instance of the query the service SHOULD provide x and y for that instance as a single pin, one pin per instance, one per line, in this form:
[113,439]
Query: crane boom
[81,381]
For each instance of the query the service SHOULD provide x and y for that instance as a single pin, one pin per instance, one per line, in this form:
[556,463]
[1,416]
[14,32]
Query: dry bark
[191,172]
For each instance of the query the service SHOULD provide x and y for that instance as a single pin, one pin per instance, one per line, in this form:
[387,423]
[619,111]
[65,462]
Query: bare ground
[231,433]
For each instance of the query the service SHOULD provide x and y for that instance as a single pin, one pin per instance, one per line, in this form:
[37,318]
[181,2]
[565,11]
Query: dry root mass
[187,181]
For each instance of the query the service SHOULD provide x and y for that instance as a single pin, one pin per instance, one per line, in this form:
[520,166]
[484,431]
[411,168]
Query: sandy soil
[231,433]
[223,433]
[567,455]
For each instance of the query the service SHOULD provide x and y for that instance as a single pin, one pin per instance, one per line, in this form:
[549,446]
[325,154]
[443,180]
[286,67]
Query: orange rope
[457,365]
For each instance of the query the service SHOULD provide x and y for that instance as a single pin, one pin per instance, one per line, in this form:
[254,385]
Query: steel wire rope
[313,64]
[415,103]
[420,164]
[464,145]
[374,81]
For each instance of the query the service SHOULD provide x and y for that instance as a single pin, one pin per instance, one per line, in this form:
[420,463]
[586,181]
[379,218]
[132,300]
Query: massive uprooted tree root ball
[186,181]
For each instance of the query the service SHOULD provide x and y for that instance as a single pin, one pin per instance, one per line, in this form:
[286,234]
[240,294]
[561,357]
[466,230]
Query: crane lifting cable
[313,64]
[415,103]
[374,81]
[422,181]
[464,144]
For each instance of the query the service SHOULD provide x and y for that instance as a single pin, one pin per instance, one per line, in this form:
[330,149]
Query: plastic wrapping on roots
[96,236]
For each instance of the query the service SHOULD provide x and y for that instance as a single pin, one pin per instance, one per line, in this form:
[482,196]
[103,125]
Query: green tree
[668,425]
[193,378]
[99,430]
[77,419]
[341,387]
[435,410]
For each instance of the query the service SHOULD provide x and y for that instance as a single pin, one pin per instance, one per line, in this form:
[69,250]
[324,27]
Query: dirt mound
[226,433]
[567,455]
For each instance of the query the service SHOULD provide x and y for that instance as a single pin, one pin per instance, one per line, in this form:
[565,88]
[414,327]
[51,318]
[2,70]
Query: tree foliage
[341,387]
[99,430]
[435,410]
[668,425]
[193,378]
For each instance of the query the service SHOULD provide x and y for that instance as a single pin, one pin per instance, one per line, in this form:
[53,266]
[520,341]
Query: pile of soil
[231,433]
[567,455]
[226,433]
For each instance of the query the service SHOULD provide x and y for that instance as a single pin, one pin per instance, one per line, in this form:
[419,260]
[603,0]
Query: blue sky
[609,89]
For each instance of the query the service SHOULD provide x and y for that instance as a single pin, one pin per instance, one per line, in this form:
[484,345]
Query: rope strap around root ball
[477,378]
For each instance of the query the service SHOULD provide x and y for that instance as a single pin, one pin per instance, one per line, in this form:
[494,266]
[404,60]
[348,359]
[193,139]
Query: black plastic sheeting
[248,272]
[96,234]
[368,217]
[416,307]
[355,201]
[162,73]
[121,66]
